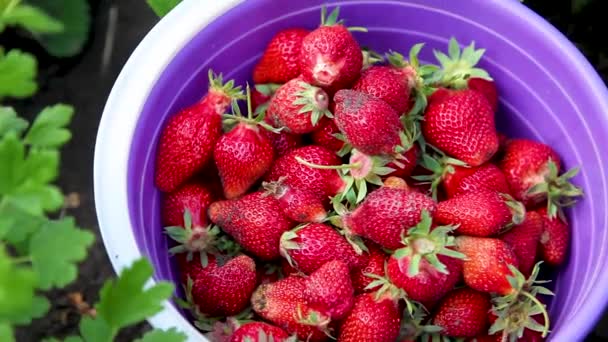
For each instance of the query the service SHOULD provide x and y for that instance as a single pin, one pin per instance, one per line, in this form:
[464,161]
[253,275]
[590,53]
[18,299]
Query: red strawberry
[330,57]
[524,240]
[187,141]
[282,141]
[255,221]
[487,265]
[469,179]
[463,313]
[374,318]
[280,61]
[259,332]
[487,88]
[374,265]
[480,213]
[287,269]
[322,182]
[388,84]
[193,197]
[462,125]
[221,287]
[532,170]
[310,246]
[554,239]
[298,106]
[297,204]
[385,214]
[486,338]
[329,290]
[324,135]
[406,163]
[369,124]
[396,183]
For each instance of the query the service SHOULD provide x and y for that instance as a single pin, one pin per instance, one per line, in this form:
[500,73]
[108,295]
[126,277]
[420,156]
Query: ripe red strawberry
[463,313]
[324,183]
[300,205]
[487,265]
[532,171]
[374,265]
[255,221]
[282,141]
[487,88]
[554,240]
[329,290]
[524,240]
[259,332]
[385,214]
[469,179]
[374,318]
[280,61]
[187,141]
[388,84]
[480,213]
[310,246]
[330,57]
[193,197]
[298,106]
[461,124]
[324,135]
[221,287]
[369,124]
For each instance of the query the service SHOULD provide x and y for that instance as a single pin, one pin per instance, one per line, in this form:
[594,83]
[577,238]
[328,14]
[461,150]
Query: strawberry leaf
[171,335]
[17,74]
[162,7]
[32,19]
[10,122]
[6,333]
[48,129]
[17,288]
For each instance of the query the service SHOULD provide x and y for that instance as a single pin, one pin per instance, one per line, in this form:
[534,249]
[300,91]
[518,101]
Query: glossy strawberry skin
[524,240]
[486,88]
[386,213]
[194,197]
[187,141]
[374,265]
[461,124]
[220,289]
[255,221]
[324,183]
[386,83]
[242,157]
[369,124]
[283,142]
[280,61]
[300,205]
[329,290]
[554,240]
[324,135]
[469,179]
[463,313]
[371,320]
[250,332]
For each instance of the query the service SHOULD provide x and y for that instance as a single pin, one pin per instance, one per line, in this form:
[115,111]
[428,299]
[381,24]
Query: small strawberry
[300,205]
[469,179]
[487,88]
[298,106]
[374,265]
[193,197]
[310,246]
[280,61]
[488,262]
[396,183]
[480,213]
[387,84]
[532,170]
[524,239]
[187,140]
[331,57]
[329,290]
[283,142]
[369,124]
[375,317]
[325,135]
[324,183]
[255,221]
[463,313]
[259,332]
[555,239]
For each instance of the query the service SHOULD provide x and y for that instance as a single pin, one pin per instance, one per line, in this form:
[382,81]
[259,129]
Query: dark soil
[83,82]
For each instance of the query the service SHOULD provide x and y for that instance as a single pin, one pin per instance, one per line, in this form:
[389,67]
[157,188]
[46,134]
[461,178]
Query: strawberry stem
[329,167]
[544,312]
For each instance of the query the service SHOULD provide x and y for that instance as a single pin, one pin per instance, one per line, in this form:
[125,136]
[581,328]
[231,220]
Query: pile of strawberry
[360,200]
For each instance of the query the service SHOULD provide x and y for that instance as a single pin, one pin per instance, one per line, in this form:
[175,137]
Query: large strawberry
[300,205]
[280,61]
[193,197]
[463,313]
[524,239]
[324,183]
[187,141]
[480,213]
[330,56]
[375,317]
[374,265]
[255,221]
[310,246]
[532,170]
[259,332]
[329,290]
[487,88]
[468,179]
[388,84]
[554,239]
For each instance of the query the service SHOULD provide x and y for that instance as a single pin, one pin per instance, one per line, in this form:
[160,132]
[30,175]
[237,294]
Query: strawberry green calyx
[387,290]
[340,219]
[332,19]
[458,66]
[216,83]
[346,148]
[192,240]
[267,89]
[231,119]
[517,208]
[412,326]
[314,318]
[370,58]
[440,166]
[313,100]
[558,190]
[420,242]
[286,243]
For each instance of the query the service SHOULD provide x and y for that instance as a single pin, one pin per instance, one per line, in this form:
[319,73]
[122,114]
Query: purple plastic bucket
[548,92]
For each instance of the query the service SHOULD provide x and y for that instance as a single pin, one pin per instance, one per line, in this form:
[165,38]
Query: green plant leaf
[162,7]
[12,154]
[17,74]
[75,17]
[17,288]
[10,122]
[95,330]
[17,225]
[55,250]
[40,306]
[171,335]
[32,19]
[48,129]
[6,333]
